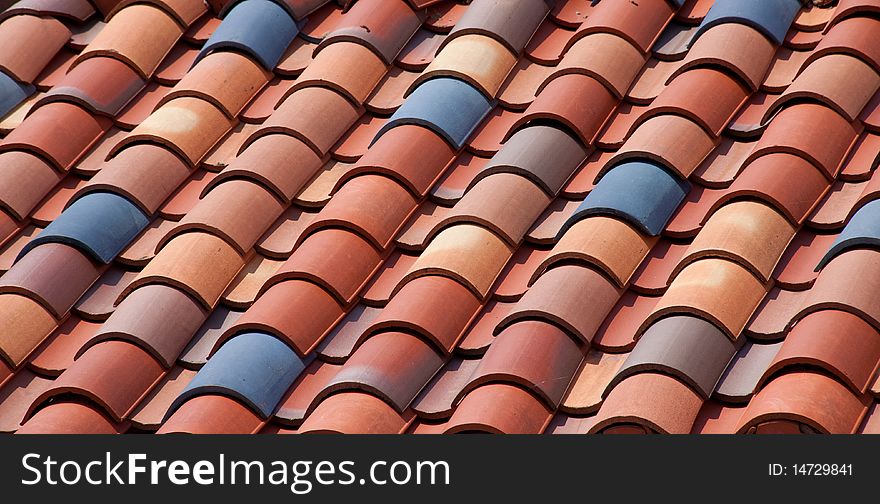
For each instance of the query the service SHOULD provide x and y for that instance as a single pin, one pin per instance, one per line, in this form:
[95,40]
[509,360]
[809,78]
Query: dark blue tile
[254,368]
[12,93]
[862,231]
[100,224]
[771,17]
[639,192]
[260,28]
[451,107]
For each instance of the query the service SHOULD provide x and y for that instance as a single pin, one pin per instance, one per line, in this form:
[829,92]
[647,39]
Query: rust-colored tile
[490,134]
[282,237]
[316,192]
[93,161]
[175,66]
[243,290]
[335,65]
[296,58]
[521,87]
[62,347]
[862,159]
[477,59]
[69,418]
[142,105]
[13,248]
[548,44]
[651,81]
[263,105]
[724,163]
[458,178]
[671,140]
[739,48]
[606,57]
[226,151]
[379,290]
[419,51]
[414,236]
[837,205]
[585,395]
[797,267]
[29,43]
[99,301]
[300,399]
[353,413]
[212,414]
[655,401]
[50,208]
[546,228]
[482,411]
[151,412]
[783,69]
[388,95]
[16,396]
[583,181]
[835,288]
[620,328]
[439,397]
[338,346]
[187,195]
[514,279]
[26,180]
[774,314]
[481,333]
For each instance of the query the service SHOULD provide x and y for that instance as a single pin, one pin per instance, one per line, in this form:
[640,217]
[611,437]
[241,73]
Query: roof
[426,216]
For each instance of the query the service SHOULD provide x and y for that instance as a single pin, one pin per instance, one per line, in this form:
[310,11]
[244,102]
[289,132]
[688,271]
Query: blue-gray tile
[773,18]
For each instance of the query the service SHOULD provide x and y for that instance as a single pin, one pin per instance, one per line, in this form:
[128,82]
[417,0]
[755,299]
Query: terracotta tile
[807,397]
[651,81]
[619,330]
[479,60]
[490,203]
[564,424]
[297,116]
[69,418]
[741,378]
[375,207]
[443,16]
[353,413]
[25,179]
[717,418]
[607,243]
[413,155]
[187,195]
[296,58]
[13,248]
[414,236]
[571,13]
[458,177]
[212,414]
[514,279]
[722,96]
[869,424]
[749,121]
[140,35]
[454,309]
[16,116]
[357,140]
[814,83]
[200,30]
[862,159]
[238,211]
[590,381]
[715,289]
[796,269]
[16,397]
[36,275]
[481,333]
[99,301]
[384,27]
[77,10]
[851,36]
[317,191]
[321,22]
[419,51]
[83,34]
[749,61]
[724,163]
[829,291]
[536,355]
[610,59]
[783,69]
[825,149]
[62,347]
[438,399]
[198,263]
[281,239]
[469,254]
[266,161]
[29,43]
[511,25]
[747,232]
[189,126]
[339,260]
[263,105]
[657,402]
[226,79]
[546,229]
[816,341]
[184,12]
[142,105]
[300,399]
[774,315]
[674,42]
[196,353]
[378,291]
[544,154]
[114,374]
[178,62]
[521,87]
[393,366]
[388,95]
[549,43]
[673,141]
[639,23]
[93,162]
[338,346]
[491,133]
[579,102]
[691,349]
[837,205]
[119,84]
[618,127]
[150,413]
[814,18]
[870,116]
[555,297]
[481,411]
[243,290]
[143,248]
[227,149]
[42,130]
[583,180]
[55,70]
[334,66]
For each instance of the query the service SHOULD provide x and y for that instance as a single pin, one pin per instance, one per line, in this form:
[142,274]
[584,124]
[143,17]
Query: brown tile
[56,69]
[741,378]
[717,418]
[162,337]
[469,254]
[140,35]
[557,297]
[454,307]
[198,263]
